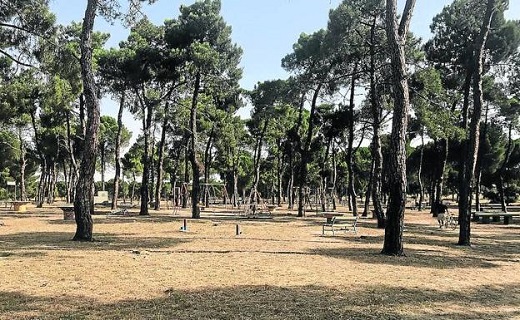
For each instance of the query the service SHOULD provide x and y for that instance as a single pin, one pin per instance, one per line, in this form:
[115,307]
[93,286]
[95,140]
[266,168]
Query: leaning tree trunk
[473,141]
[115,193]
[393,244]
[84,199]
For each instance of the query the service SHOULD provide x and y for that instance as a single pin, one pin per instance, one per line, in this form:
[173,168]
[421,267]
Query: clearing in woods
[277,268]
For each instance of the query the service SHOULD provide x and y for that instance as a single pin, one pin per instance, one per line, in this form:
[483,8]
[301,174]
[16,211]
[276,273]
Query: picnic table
[485,215]
[68,212]
[19,206]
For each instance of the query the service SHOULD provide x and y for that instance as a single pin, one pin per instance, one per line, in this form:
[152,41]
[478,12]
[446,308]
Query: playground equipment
[214,193]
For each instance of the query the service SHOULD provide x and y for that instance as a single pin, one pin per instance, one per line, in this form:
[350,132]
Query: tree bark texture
[84,198]
[115,193]
[195,163]
[396,34]
[376,150]
[474,129]
[350,147]
[145,182]
[305,153]
[160,159]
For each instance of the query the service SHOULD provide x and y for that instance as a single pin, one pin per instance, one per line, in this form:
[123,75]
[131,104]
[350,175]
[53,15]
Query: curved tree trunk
[84,199]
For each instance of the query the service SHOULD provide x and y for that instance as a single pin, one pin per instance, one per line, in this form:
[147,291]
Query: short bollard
[237,230]
[184,225]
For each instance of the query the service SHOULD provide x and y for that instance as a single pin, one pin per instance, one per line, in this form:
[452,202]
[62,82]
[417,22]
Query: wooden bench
[337,224]
[485,215]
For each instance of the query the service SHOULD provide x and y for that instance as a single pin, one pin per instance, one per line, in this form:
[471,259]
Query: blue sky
[265,29]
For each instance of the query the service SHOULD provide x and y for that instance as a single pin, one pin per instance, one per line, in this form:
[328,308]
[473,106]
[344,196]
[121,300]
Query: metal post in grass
[237,230]
[184,225]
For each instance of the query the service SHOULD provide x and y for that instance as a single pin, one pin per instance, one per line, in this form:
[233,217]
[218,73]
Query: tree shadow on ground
[43,241]
[270,302]
[418,258]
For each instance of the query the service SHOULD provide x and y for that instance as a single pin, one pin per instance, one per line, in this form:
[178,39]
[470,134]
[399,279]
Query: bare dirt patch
[278,268]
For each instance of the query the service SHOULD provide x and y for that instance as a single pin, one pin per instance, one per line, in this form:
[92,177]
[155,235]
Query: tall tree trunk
[324,176]
[376,150]
[235,182]
[160,160]
[334,177]
[279,172]
[253,197]
[186,171]
[73,163]
[84,199]
[474,130]
[151,184]
[393,244]
[350,154]
[23,165]
[419,172]
[503,168]
[195,164]
[103,164]
[115,192]
[132,194]
[145,182]
[368,193]
[207,165]
[439,175]
[305,152]
[478,173]
[290,184]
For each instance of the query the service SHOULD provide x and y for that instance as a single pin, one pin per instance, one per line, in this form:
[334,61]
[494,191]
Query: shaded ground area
[277,268]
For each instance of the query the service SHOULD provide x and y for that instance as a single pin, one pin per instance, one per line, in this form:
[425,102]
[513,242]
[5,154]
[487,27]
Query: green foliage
[22,23]
[107,137]
[432,106]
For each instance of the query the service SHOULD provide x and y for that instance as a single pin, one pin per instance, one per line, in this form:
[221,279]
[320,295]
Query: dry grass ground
[280,268]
